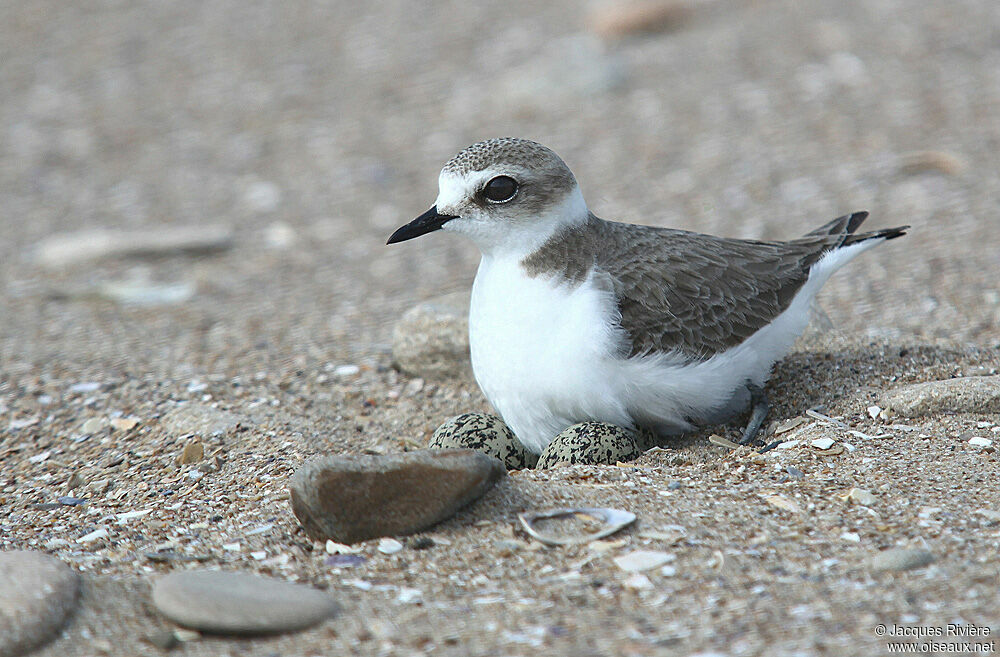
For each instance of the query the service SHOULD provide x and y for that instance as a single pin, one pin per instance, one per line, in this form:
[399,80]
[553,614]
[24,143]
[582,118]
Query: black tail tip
[893,233]
[855,220]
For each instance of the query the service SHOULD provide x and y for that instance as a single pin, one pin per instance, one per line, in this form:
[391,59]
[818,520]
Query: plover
[574,318]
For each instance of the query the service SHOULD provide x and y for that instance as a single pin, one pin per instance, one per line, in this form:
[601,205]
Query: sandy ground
[314,129]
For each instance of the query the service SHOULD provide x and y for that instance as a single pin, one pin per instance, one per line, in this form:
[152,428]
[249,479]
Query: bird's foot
[759,408]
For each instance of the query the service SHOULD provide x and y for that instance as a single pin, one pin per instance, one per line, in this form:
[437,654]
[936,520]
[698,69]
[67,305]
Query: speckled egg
[591,443]
[487,434]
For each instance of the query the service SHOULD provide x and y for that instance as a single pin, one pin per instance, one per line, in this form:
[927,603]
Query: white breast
[543,352]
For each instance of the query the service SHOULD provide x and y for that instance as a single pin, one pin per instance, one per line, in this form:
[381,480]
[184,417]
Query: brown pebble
[931,161]
[75,481]
[124,423]
[193,452]
[354,498]
[617,21]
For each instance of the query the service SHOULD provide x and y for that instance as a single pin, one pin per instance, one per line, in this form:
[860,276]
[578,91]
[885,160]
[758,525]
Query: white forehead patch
[455,189]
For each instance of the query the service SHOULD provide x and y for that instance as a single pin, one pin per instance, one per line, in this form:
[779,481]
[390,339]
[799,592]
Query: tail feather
[845,227]
[885,233]
[845,224]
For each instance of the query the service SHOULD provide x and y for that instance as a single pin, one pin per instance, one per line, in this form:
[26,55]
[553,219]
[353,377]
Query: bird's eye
[500,189]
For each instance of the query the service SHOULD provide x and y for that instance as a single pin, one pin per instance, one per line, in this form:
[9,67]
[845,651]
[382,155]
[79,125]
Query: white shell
[613,520]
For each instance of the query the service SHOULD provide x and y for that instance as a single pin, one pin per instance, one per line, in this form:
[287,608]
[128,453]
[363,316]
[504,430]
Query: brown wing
[691,293]
[698,294]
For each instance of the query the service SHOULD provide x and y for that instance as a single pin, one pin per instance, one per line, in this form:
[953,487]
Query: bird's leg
[758,413]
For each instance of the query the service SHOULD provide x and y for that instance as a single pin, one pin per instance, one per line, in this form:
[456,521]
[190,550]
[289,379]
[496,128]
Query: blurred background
[207,187]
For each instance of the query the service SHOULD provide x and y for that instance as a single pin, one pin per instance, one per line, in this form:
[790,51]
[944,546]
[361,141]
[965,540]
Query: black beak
[428,222]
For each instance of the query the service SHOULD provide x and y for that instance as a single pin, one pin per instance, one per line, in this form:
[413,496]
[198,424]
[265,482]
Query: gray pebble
[431,340]
[239,603]
[593,443]
[354,498]
[967,394]
[899,559]
[37,594]
[487,434]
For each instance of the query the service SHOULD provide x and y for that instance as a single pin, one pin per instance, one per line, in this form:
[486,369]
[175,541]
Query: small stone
[196,386]
[238,603]
[860,496]
[354,498]
[186,636]
[619,20]
[40,458]
[431,340]
[787,425]
[22,423]
[640,560]
[606,545]
[131,515]
[931,162]
[487,434]
[794,473]
[783,503]
[874,411]
[66,249]
[193,452]
[592,443]
[413,387]
[141,292]
[199,419]
[979,441]
[124,423]
[91,426]
[332,547]
[165,640]
[76,480]
[991,515]
[851,537]
[344,371]
[968,394]
[672,534]
[389,546]
[638,582]
[409,596]
[721,441]
[422,543]
[344,560]
[823,443]
[95,535]
[899,559]
[37,594]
